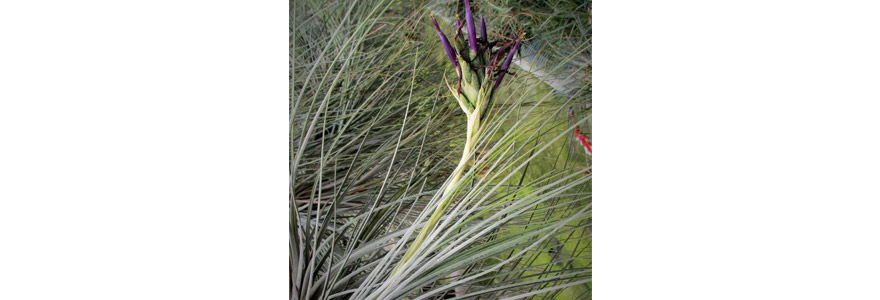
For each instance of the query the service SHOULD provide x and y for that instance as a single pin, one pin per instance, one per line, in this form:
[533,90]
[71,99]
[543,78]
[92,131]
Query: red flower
[582,138]
[585,141]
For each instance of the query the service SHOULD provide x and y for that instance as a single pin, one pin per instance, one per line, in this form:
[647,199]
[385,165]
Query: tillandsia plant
[371,157]
[481,65]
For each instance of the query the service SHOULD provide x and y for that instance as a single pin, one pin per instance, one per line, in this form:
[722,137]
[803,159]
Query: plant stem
[473,131]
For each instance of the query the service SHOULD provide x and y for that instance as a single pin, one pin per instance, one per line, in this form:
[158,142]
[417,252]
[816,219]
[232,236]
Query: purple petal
[458,25]
[472,31]
[506,63]
[493,62]
[446,46]
[483,29]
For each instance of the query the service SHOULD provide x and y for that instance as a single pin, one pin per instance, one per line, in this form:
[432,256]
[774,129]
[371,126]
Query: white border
[144,150]
[736,150]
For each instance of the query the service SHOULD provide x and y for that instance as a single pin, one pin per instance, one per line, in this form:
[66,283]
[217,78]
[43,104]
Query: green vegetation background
[558,49]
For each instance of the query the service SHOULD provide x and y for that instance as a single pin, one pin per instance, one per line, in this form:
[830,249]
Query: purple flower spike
[446,46]
[483,29]
[506,63]
[494,59]
[472,30]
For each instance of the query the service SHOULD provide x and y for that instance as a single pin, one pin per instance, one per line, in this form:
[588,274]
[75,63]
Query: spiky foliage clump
[374,139]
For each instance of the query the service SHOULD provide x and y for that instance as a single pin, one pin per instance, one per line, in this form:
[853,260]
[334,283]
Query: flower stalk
[479,75]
